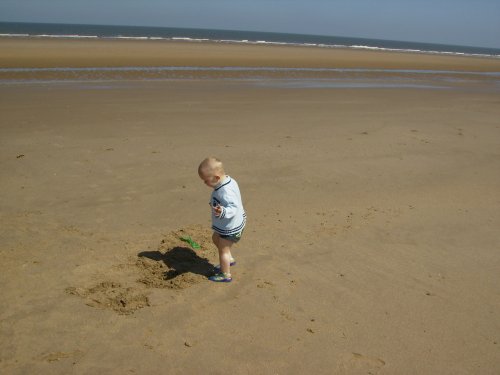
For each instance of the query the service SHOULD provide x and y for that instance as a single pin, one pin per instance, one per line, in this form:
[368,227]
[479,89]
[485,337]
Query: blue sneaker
[221,278]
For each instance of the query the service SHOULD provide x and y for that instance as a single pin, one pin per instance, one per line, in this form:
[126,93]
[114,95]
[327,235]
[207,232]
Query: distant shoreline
[247,42]
[113,32]
[47,52]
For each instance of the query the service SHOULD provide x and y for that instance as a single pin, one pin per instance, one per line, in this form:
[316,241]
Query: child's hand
[217,210]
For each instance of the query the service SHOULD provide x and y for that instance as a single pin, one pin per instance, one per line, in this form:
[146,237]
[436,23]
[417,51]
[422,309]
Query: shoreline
[46,52]
[245,37]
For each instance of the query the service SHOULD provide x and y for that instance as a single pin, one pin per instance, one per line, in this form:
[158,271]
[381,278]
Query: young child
[228,214]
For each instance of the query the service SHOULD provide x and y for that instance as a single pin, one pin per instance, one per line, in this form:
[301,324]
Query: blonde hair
[211,165]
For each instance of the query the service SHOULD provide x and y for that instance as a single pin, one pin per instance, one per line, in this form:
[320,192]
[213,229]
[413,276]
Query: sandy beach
[372,243]
[40,52]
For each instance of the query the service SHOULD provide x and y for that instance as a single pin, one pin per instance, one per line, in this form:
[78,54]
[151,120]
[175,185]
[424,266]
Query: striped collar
[223,183]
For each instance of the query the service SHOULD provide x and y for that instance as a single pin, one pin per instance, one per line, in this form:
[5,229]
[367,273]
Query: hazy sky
[462,22]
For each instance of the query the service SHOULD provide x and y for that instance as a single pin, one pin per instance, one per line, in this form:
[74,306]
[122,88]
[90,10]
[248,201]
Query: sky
[459,22]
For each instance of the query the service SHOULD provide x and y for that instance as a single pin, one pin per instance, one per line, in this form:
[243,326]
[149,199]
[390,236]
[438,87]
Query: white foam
[258,42]
[131,37]
[14,35]
[66,36]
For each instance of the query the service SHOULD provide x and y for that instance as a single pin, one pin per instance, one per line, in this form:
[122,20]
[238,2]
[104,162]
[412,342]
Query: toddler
[228,214]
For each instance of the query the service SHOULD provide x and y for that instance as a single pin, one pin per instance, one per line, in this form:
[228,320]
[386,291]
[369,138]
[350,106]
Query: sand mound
[175,264]
[112,295]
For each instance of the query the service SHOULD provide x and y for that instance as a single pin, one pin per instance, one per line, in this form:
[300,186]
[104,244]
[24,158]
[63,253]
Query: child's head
[211,171]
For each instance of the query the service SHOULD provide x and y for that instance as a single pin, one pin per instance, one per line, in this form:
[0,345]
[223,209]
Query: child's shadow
[180,260]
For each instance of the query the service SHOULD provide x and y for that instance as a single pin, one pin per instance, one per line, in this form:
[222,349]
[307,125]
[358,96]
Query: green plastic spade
[191,242]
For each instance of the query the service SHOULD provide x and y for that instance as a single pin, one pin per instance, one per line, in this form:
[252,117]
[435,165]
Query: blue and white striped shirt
[232,219]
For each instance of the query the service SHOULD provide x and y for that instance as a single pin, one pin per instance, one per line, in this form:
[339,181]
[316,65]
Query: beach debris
[20,156]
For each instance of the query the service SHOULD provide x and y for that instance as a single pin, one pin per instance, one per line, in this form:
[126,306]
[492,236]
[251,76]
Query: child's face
[209,179]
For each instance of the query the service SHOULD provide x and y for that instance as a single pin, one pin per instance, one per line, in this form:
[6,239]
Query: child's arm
[227,211]
[227,205]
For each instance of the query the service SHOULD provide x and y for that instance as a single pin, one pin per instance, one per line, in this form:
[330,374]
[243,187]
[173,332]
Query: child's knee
[225,244]
[215,238]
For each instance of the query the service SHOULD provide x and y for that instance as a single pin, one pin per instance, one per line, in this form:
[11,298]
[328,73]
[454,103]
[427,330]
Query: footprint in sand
[57,356]
[355,363]
[264,284]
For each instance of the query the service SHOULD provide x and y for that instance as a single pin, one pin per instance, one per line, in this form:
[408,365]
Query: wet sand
[371,246]
[40,52]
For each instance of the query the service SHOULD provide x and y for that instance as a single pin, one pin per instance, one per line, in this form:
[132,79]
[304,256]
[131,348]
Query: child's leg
[215,238]
[225,256]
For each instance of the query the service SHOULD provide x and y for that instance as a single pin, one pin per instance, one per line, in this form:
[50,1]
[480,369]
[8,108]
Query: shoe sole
[221,281]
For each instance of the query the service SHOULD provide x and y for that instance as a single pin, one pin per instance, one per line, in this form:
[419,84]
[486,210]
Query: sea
[336,77]
[14,29]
